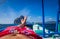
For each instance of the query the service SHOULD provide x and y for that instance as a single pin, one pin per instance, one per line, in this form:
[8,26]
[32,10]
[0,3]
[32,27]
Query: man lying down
[20,29]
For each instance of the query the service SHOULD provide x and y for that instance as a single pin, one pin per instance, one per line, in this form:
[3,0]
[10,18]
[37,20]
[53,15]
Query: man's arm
[23,21]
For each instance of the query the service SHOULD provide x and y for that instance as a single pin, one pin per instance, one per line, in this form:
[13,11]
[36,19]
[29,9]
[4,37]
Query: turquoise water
[3,26]
[47,26]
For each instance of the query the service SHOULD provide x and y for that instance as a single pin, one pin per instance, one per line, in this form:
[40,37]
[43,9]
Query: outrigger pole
[43,18]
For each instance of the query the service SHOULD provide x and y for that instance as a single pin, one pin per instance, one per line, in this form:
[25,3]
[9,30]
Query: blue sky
[11,9]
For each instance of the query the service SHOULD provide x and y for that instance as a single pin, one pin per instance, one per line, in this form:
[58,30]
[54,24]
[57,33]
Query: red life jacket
[24,30]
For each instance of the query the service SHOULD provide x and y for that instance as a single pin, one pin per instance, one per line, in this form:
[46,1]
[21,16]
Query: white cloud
[34,19]
[50,18]
[47,18]
[9,15]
